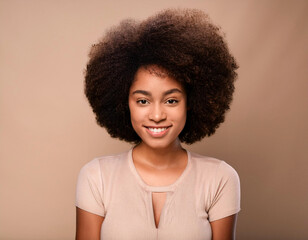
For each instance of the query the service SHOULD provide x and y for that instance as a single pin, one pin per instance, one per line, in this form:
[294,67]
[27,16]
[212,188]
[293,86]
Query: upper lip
[157,126]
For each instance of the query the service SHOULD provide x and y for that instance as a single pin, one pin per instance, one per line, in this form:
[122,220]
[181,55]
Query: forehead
[153,78]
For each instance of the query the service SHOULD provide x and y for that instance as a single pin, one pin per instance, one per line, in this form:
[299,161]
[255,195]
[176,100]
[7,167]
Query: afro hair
[182,41]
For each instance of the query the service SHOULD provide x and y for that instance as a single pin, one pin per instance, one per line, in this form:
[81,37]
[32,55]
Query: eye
[142,102]
[172,101]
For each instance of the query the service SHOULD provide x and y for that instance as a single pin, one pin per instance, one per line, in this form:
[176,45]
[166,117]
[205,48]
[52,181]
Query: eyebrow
[173,90]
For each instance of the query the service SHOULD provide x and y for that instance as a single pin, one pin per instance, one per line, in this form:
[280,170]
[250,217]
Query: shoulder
[107,161]
[103,165]
[92,180]
[212,166]
[221,186]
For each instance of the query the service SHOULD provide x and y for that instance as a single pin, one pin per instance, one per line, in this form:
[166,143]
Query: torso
[112,187]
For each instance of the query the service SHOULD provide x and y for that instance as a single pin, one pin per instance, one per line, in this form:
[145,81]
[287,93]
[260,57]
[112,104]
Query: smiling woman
[157,83]
[158,108]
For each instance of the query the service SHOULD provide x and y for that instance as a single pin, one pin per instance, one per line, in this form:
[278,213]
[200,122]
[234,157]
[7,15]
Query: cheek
[182,118]
[132,113]
[181,114]
[135,114]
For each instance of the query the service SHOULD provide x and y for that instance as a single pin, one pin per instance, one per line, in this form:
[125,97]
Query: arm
[89,196]
[224,229]
[88,225]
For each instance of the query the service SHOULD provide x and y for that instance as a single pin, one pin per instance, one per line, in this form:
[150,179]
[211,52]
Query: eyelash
[174,101]
[169,101]
[143,101]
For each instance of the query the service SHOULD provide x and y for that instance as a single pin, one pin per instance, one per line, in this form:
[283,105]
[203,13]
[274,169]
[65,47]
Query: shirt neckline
[167,188]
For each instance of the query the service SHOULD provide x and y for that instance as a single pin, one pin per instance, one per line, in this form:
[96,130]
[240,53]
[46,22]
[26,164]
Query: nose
[157,113]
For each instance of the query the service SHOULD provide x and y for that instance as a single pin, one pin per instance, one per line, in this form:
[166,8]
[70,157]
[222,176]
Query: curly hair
[182,41]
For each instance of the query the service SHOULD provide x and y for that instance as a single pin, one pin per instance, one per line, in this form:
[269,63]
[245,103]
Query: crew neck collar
[167,188]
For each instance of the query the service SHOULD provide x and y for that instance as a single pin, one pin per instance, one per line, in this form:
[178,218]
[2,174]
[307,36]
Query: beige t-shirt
[207,190]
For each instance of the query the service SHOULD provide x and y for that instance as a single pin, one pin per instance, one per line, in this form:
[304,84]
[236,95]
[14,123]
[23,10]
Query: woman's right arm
[88,225]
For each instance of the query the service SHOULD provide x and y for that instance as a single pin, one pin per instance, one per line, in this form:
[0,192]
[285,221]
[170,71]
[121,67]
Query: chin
[161,143]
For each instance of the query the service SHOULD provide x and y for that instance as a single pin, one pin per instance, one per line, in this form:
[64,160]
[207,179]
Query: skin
[156,101]
[88,225]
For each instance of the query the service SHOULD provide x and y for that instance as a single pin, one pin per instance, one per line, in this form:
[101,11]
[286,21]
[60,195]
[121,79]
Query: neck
[160,158]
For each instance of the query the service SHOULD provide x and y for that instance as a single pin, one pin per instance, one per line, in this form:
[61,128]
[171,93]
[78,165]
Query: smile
[157,131]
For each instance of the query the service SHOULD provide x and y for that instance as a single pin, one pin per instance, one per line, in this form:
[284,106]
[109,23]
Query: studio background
[48,131]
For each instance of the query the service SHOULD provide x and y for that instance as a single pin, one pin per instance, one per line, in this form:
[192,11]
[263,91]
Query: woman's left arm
[224,229]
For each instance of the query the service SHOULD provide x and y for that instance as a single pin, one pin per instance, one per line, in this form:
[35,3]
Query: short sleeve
[89,191]
[226,195]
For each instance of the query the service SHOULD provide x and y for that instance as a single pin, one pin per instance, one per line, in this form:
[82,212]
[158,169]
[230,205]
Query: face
[157,106]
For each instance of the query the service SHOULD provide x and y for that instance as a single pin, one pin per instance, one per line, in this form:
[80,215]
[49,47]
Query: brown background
[48,130]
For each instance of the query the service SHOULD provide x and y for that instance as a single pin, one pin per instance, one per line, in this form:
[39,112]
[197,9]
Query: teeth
[157,130]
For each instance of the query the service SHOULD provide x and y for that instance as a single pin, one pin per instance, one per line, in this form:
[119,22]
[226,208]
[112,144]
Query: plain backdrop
[48,131]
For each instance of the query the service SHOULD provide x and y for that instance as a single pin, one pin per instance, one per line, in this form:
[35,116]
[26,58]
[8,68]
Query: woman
[157,83]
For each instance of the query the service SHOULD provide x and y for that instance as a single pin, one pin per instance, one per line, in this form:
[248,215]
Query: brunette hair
[187,45]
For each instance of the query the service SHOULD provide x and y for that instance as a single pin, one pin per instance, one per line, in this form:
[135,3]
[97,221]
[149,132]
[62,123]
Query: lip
[157,131]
